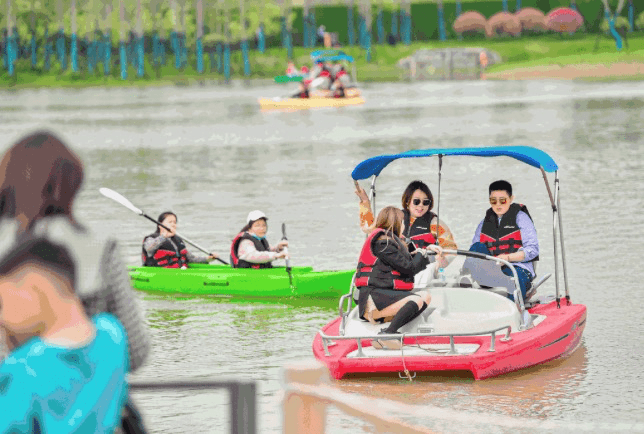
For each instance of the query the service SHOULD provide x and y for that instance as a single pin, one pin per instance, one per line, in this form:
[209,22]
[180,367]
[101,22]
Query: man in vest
[507,232]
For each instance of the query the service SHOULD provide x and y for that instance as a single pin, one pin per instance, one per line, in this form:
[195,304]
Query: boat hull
[318,100]
[223,280]
[558,335]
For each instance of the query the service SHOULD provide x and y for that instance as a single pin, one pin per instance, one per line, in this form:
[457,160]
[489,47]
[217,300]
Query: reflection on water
[211,156]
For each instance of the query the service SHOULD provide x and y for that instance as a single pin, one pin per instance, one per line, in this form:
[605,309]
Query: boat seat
[488,273]
[463,310]
[468,282]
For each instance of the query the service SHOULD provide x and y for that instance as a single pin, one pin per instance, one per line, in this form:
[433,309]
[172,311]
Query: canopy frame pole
[554,237]
[563,250]
[545,179]
[372,195]
[438,202]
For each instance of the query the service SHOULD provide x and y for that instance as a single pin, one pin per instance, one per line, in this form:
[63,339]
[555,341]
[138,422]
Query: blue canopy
[330,56]
[318,53]
[527,154]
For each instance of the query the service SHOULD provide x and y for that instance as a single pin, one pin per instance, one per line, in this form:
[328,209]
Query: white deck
[457,310]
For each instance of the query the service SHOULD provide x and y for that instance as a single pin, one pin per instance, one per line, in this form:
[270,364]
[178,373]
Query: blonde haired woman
[385,276]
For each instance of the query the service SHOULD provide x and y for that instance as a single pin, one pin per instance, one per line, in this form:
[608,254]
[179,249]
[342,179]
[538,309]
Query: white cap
[255,215]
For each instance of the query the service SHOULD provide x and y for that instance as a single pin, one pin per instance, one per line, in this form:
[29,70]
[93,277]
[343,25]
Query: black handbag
[131,421]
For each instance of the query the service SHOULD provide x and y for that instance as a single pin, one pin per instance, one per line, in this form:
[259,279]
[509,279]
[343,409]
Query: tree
[366,21]
[611,21]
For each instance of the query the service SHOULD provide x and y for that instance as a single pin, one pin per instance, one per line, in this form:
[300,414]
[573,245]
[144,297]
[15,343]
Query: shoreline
[615,72]
[578,57]
[618,71]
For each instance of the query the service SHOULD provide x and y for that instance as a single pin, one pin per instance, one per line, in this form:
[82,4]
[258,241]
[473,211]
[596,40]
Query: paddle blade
[109,193]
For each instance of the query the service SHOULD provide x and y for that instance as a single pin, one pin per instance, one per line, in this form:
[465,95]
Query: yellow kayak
[319,99]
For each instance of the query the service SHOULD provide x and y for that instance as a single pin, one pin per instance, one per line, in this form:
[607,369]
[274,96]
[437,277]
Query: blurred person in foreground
[39,180]
[67,372]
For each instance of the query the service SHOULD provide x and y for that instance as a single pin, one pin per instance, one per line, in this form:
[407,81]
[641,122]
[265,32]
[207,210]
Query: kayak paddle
[117,197]
[288,262]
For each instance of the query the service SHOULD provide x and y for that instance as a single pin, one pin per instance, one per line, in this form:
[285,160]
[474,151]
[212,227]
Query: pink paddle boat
[467,326]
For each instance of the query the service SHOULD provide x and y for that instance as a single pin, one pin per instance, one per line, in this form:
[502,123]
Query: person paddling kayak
[250,248]
[164,248]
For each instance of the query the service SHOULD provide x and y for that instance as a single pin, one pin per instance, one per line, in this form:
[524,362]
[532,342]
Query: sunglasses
[502,201]
[426,202]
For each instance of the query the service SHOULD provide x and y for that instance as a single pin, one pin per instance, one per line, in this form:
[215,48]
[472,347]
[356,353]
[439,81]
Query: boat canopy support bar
[372,195]
[557,226]
[349,297]
[438,205]
[554,239]
[552,200]
[563,249]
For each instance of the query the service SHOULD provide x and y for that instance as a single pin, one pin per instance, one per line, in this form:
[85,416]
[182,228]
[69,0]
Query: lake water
[210,155]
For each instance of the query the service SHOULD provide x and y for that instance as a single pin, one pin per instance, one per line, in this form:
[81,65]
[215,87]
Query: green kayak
[223,280]
[288,79]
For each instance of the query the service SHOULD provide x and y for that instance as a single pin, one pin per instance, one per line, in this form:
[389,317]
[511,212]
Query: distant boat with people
[328,84]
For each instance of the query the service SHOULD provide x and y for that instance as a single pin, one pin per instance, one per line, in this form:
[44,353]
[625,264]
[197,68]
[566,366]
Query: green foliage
[620,23]
[524,52]
[158,15]
[639,22]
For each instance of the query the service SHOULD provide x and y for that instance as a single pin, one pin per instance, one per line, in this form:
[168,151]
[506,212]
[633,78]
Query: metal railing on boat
[243,413]
[451,336]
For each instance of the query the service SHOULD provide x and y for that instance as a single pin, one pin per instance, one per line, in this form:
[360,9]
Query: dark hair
[41,252]
[501,185]
[411,188]
[162,217]
[39,177]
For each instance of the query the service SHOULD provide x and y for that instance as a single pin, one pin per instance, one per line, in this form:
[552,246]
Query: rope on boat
[402,356]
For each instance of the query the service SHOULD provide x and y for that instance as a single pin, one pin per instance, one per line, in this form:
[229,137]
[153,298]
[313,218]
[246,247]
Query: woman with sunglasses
[421,224]
[507,232]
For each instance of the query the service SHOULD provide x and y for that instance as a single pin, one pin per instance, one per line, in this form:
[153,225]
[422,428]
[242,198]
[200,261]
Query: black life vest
[260,245]
[504,236]
[168,255]
[374,273]
[420,231]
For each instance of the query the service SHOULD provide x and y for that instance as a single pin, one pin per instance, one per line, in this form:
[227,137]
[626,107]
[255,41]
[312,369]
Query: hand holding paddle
[111,194]
[285,250]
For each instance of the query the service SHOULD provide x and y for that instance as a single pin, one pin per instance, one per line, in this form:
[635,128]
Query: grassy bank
[524,52]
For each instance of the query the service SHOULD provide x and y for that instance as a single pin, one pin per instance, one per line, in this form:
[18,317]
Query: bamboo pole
[10,47]
[227,43]
[74,50]
[122,51]
[107,39]
[140,60]
[199,36]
